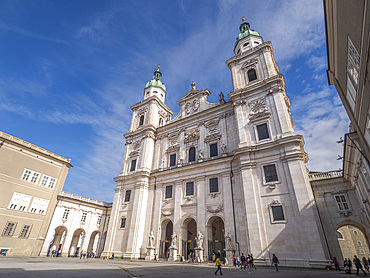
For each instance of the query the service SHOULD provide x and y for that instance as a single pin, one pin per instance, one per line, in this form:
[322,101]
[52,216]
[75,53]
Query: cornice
[251,52]
[7,138]
[150,100]
[262,85]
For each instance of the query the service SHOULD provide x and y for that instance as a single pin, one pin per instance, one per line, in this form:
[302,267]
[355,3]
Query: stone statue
[174,239]
[200,155]
[151,239]
[223,148]
[221,97]
[228,241]
[199,240]
[193,85]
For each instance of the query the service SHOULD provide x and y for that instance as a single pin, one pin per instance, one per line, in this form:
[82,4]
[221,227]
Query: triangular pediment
[192,94]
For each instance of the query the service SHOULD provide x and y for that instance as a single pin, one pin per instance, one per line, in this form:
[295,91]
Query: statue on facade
[223,148]
[174,239]
[200,155]
[228,241]
[222,97]
[151,239]
[199,240]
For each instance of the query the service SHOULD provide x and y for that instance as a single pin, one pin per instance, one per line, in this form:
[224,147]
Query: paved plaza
[74,267]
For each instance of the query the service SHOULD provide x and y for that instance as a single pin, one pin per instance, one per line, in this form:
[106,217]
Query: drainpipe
[232,200]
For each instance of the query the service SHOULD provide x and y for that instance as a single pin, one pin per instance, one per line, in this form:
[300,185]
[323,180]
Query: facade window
[30,176]
[99,220]
[359,243]
[213,185]
[9,229]
[341,202]
[83,218]
[172,160]
[26,175]
[252,75]
[45,180]
[190,188]
[141,122]
[127,195]
[339,235]
[213,150]
[238,52]
[133,165]
[25,231]
[123,222]
[160,122]
[48,181]
[192,154]
[65,214]
[262,131]
[168,194]
[20,201]
[277,213]
[362,252]
[270,173]
[355,232]
[246,44]
[35,177]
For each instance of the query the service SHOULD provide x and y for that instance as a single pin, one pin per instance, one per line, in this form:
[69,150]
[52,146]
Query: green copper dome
[156,81]
[245,31]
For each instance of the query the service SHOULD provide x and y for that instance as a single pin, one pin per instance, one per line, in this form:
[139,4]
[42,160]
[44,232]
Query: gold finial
[242,18]
[158,66]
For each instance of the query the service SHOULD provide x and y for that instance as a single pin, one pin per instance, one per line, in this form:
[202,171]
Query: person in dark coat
[358,265]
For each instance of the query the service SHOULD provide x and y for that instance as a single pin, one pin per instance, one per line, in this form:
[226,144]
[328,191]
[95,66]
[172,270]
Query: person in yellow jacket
[218,264]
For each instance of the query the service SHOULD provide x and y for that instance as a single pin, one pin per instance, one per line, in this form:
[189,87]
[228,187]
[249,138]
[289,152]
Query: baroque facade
[218,176]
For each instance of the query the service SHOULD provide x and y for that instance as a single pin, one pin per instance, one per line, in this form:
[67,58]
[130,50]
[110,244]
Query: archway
[216,237]
[77,242]
[165,242]
[189,233]
[58,241]
[352,241]
[93,243]
[101,245]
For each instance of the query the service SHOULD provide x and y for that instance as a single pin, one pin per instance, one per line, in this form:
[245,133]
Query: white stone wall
[73,223]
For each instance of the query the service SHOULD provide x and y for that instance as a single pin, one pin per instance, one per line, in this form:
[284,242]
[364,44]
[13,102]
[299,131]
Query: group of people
[56,253]
[348,264]
[245,261]
[87,255]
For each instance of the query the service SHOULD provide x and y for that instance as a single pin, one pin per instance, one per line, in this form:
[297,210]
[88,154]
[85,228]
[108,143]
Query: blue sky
[70,70]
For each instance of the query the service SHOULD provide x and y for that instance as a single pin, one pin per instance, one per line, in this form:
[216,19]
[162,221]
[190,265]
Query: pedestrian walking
[275,261]
[365,263]
[238,260]
[218,264]
[81,254]
[358,265]
[234,261]
[336,264]
[249,264]
[252,262]
[242,261]
[349,263]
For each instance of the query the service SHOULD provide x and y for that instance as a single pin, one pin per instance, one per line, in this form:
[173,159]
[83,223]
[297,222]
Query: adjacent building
[30,180]
[79,224]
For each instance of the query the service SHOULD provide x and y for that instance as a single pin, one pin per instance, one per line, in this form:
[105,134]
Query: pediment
[192,94]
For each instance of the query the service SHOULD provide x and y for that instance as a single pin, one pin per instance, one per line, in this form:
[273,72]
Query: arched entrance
[93,242]
[58,241]
[216,237]
[165,242]
[77,242]
[352,241]
[189,233]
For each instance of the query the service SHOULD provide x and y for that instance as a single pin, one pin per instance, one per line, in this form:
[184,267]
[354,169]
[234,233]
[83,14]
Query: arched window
[339,235]
[252,75]
[141,122]
[160,121]
[191,154]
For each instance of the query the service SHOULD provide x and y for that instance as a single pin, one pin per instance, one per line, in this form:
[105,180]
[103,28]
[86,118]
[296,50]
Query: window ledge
[214,194]
[345,213]
[272,184]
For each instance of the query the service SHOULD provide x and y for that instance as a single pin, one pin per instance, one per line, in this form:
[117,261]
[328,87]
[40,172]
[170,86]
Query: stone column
[201,211]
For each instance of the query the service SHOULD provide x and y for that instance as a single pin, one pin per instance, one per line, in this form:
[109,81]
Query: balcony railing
[325,175]
[78,197]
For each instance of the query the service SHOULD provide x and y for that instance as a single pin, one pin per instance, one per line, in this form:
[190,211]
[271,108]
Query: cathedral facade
[224,177]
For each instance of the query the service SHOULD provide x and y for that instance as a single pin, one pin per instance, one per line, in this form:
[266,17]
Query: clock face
[258,106]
